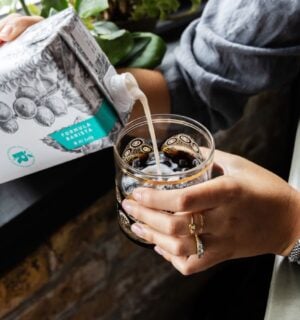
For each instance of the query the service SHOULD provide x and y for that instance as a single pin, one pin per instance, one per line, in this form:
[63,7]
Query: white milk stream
[136,93]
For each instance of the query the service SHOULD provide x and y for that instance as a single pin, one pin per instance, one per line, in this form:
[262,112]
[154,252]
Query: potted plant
[122,28]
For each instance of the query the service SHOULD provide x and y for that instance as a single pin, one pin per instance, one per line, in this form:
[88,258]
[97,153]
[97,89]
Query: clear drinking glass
[186,158]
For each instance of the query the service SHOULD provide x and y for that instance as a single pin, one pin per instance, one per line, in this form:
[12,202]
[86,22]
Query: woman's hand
[14,24]
[247,211]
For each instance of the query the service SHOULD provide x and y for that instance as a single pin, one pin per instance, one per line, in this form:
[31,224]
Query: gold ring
[199,246]
[201,224]
[192,226]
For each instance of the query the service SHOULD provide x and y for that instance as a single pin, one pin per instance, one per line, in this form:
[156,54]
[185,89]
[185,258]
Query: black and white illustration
[53,77]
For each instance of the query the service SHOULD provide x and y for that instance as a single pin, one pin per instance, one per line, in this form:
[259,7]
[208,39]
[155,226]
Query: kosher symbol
[20,156]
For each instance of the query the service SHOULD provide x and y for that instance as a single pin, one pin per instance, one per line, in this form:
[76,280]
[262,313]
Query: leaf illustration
[54,144]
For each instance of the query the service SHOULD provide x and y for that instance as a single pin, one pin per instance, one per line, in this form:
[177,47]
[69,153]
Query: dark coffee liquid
[171,161]
[125,223]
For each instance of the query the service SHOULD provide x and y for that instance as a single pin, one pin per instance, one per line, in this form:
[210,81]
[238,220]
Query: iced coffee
[185,153]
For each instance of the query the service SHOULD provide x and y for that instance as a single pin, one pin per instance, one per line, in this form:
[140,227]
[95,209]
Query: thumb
[16,25]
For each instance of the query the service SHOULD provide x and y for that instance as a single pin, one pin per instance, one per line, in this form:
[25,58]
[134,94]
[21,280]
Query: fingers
[200,197]
[13,25]
[173,245]
[188,265]
[177,224]
[163,222]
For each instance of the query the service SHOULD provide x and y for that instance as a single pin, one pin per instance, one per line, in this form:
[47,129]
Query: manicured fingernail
[6,31]
[137,229]
[158,250]
[127,206]
[137,195]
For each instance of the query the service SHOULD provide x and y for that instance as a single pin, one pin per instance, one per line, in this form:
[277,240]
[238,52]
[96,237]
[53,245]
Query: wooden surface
[87,269]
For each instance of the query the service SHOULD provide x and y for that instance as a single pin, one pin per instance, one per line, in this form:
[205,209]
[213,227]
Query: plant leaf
[52,12]
[5,3]
[151,55]
[139,44]
[88,22]
[57,5]
[159,9]
[116,45]
[87,8]
[105,27]
[195,5]
[34,9]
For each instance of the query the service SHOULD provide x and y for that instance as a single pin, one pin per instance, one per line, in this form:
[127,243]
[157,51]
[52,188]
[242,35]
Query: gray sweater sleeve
[236,49]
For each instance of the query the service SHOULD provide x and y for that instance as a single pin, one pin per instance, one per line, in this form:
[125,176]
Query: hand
[247,211]
[14,24]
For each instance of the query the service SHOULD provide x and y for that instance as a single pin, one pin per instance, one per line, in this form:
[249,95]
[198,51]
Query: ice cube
[151,158]
[196,162]
[137,148]
[152,169]
[136,163]
[182,163]
[181,142]
[128,184]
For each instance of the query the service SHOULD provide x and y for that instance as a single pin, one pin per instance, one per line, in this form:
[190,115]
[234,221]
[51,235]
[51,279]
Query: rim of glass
[165,118]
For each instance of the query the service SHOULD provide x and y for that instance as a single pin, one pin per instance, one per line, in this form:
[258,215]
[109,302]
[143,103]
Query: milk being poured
[136,93]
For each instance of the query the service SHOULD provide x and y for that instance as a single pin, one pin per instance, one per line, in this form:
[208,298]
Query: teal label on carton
[89,130]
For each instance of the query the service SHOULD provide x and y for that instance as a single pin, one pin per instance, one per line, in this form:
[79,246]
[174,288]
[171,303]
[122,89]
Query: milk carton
[60,98]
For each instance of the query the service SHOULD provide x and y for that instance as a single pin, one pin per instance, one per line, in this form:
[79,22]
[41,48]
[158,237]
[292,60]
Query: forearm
[154,86]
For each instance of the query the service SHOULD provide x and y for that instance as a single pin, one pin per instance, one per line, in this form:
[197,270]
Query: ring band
[192,226]
[201,223]
[199,246]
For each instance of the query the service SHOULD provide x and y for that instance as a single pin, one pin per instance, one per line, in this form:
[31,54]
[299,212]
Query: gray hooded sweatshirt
[236,49]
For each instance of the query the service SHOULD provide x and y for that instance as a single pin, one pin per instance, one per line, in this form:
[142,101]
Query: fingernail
[137,229]
[5,32]
[137,195]
[127,206]
[158,250]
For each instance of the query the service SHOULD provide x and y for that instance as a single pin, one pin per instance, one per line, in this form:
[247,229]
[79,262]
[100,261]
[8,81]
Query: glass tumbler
[186,152]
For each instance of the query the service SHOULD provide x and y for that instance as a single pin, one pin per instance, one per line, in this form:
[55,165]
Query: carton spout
[125,87]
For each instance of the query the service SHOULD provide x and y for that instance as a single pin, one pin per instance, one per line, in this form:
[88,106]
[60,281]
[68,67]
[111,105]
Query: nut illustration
[44,116]
[10,126]
[25,108]
[56,105]
[27,92]
[6,112]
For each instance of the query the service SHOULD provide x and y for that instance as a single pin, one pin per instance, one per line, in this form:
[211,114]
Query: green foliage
[160,9]
[116,44]
[5,3]
[129,49]
[57,5]
[34,9]
[101,17]
[10,5]
[148,51]
[87,8]
[195,4]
